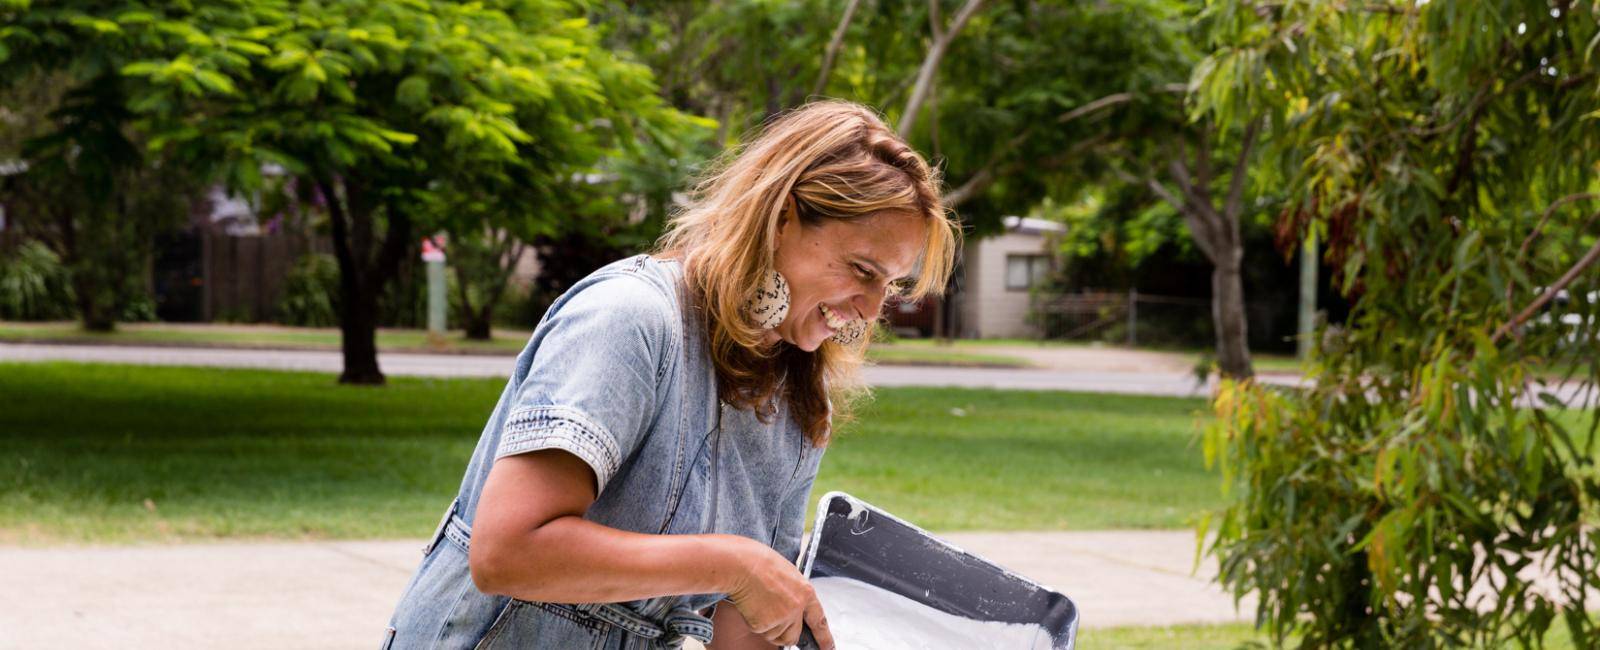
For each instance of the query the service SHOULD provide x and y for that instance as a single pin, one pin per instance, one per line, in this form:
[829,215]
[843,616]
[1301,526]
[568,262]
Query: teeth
[833,319]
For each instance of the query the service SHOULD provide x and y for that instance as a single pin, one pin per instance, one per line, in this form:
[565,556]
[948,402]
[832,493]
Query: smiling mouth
[834,321]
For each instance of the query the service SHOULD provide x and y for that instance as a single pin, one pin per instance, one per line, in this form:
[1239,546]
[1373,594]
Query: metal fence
[1134,318]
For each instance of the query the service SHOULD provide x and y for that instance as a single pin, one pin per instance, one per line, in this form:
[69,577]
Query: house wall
[988,308]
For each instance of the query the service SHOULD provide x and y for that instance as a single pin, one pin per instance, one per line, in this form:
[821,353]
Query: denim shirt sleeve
[591,388]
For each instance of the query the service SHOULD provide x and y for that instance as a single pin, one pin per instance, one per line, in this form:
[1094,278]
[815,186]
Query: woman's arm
[530,541]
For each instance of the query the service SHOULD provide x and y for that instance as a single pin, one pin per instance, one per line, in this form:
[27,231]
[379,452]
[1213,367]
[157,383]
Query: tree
[1193,164]
[1444,452]
[1050,94]
[1047,94]
[738,63]
[83,183]
[379,105]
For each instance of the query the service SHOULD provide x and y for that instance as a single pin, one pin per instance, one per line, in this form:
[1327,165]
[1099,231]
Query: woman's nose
[870,303]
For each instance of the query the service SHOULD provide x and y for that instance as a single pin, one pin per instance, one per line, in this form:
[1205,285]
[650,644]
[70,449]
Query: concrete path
[1131,372]
[1150,381]
[340,594]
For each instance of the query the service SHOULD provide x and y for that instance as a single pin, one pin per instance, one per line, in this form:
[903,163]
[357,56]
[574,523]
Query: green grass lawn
[254,336]
[1188,637]
[968,459]
[897,353]
[129,453]
[1226,637]
[505,341]
[988,343]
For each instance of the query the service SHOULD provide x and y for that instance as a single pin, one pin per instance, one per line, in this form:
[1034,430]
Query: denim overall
[618,375]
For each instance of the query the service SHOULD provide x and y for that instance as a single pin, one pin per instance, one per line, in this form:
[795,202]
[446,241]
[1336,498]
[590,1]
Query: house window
[1025,271]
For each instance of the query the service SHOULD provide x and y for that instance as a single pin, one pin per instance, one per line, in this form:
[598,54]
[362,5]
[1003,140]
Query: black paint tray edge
[1065,636]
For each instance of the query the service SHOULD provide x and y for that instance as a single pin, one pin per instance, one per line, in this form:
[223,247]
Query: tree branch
[1538,229]
[1549,293]
[1161,190]
[465,304]
[930,65]
[1230,208]
[349,271]
[1198,230]
[986,175]
[1196,226]
[975,184]
[395,244]
[1477,103]
[834,45]
[1196,205]
[509,258]
[1104,102]
[1180,170]
[991,170]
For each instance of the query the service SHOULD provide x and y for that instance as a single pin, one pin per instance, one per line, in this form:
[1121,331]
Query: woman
[654,451]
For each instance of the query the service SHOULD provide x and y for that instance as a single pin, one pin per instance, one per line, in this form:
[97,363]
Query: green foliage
[376,108]
[310,291]
[994,116]
[1121,223]
[1022,84]
[33,284]
[1445,151]
[86,186]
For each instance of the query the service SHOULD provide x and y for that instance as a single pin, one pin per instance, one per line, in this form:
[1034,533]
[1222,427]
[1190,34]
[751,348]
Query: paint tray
[852,539]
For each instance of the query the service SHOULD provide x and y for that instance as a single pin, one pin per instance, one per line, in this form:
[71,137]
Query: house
[992,292]
[997,277]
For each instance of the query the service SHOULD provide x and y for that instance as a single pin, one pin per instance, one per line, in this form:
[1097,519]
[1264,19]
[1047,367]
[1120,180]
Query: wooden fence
[244,274]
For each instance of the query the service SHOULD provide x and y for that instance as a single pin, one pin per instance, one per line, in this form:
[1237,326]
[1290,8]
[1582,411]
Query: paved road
[1135,379]
[1150,382]
[340,594]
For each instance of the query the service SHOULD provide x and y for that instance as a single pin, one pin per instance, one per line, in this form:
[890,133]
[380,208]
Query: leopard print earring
[770,305]
[852,332]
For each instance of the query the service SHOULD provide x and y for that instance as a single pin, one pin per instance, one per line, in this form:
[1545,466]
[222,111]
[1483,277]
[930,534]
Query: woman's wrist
[730,560]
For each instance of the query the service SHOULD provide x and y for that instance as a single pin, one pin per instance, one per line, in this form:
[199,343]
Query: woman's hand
[530,541]
[774,599]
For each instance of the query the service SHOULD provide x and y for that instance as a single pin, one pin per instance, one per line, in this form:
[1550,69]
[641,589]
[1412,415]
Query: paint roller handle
[807,642]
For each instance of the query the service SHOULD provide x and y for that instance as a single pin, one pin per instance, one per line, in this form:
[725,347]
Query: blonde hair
[836,160]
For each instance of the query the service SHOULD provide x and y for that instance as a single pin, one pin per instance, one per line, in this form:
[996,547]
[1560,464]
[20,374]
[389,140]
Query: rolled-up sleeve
[592,386]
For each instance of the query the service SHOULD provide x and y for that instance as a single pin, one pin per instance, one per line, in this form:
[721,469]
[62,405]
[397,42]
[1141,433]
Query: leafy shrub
[311,292]
[34,285]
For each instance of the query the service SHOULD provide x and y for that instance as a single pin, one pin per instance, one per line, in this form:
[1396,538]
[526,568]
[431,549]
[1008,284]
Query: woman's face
[840,270]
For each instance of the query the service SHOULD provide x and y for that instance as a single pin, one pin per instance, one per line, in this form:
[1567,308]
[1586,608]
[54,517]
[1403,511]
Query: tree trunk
[351,220]
[85,287]
[358,327]
[95,314]
[774,97]
[1228,316]
[475,320]
[478,325]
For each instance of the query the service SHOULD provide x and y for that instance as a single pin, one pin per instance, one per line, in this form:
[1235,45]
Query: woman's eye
[862,271]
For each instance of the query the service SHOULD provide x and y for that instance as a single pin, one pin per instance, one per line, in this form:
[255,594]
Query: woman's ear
[790,215]
[791,209]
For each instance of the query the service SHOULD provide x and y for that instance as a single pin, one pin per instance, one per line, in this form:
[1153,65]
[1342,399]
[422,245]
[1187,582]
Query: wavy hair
[834,160]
